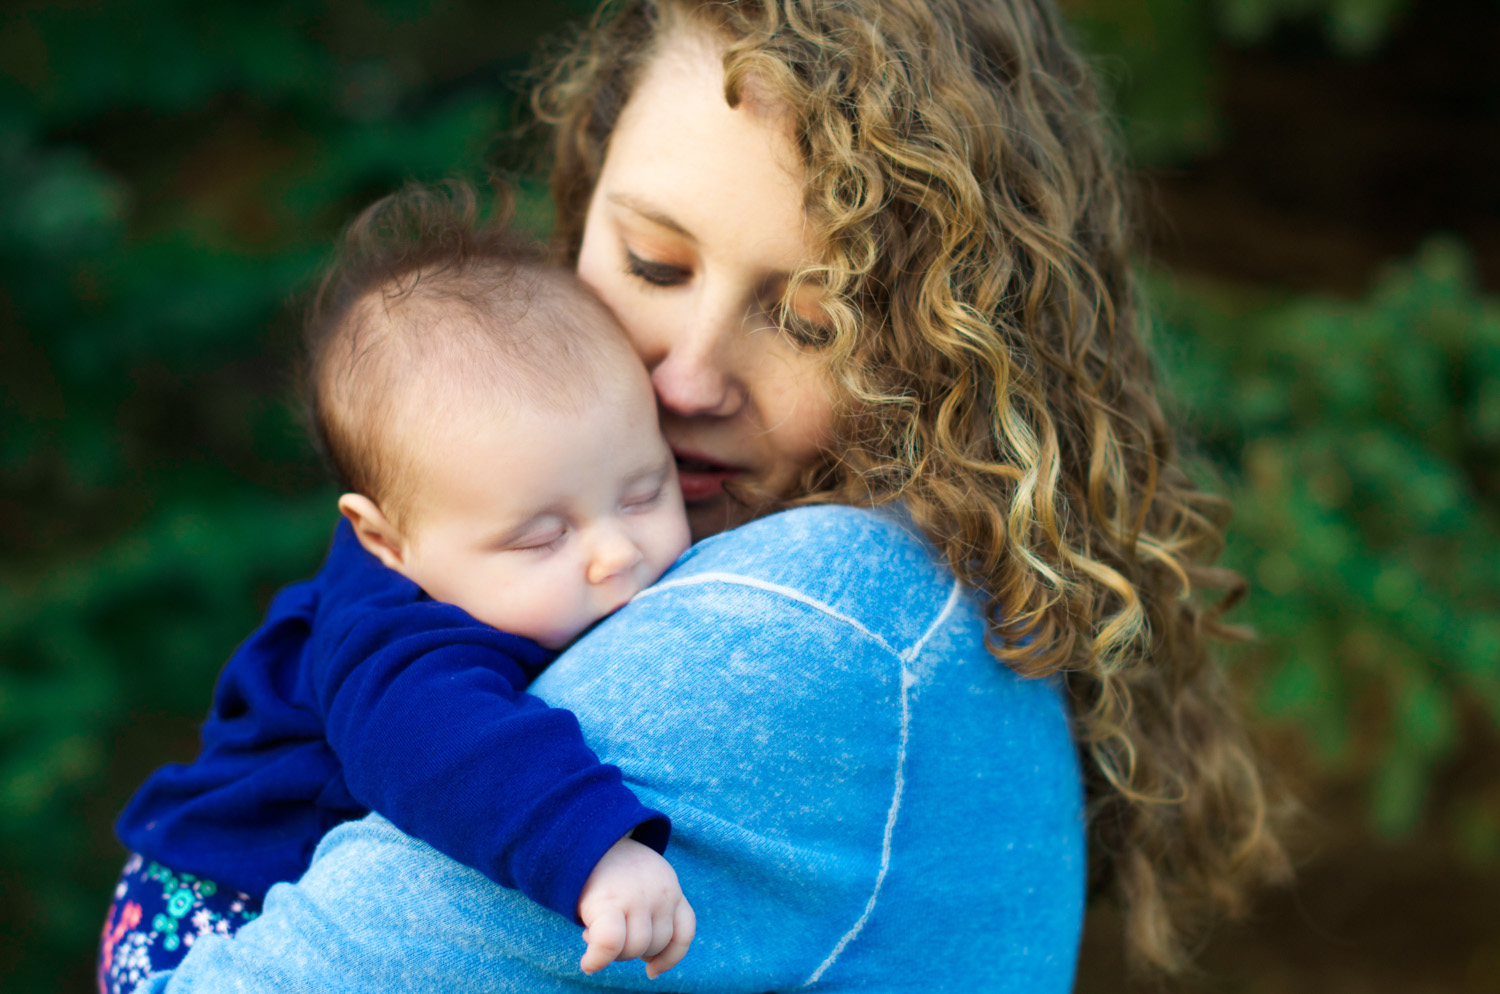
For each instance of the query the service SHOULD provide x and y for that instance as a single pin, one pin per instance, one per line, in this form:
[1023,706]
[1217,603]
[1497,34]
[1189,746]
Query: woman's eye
[809,334]
[654,273]
[802,316]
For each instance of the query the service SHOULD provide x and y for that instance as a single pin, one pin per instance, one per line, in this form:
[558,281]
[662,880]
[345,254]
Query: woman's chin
[715,514]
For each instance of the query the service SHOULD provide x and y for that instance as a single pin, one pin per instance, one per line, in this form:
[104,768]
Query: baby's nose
[614,553]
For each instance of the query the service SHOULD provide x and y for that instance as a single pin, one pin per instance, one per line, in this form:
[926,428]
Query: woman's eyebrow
[651,213]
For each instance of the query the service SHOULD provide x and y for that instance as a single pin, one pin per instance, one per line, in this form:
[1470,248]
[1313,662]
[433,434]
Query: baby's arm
[425,710]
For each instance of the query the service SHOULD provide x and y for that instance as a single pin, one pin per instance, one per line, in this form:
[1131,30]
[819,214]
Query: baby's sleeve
[425,710]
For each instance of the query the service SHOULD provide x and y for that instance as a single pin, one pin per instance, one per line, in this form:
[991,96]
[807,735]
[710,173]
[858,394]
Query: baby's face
[542,522]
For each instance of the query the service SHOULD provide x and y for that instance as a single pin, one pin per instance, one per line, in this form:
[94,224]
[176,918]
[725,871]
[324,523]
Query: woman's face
[693,230]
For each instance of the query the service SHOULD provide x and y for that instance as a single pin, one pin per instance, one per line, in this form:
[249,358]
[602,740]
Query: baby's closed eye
[641,502]
[546,541]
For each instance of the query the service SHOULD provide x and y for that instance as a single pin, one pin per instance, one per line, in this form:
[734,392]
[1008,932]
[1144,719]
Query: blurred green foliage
[1158,58]
[171,174]
[1361,444]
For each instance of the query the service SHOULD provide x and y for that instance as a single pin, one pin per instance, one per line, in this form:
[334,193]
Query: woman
[875,255]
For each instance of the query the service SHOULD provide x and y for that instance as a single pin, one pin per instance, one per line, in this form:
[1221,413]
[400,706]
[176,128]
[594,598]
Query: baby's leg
[156,915]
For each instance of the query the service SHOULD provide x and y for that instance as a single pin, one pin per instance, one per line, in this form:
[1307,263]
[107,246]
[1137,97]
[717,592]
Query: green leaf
[1398,792]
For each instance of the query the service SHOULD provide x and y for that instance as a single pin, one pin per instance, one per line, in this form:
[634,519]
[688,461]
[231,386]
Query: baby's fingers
[684,927]
[606,940]
[661,933]
[637,934]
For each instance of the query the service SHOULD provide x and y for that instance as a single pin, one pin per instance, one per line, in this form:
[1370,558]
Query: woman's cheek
[629,305]
[656,323]
[600,277]
[804,398]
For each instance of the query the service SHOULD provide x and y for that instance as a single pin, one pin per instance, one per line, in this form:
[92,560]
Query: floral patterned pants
[156,915]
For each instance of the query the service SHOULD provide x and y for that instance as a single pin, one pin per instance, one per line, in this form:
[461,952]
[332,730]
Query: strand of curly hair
[987,341]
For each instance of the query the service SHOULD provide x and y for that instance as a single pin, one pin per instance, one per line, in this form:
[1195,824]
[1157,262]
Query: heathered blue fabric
[862,798]
[361,693]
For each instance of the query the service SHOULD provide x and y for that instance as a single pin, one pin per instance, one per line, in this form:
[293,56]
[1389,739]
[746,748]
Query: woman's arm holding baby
[425,708]
[766,724]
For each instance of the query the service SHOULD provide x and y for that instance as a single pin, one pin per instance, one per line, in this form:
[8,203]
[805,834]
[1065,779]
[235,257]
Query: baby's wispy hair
[424,291]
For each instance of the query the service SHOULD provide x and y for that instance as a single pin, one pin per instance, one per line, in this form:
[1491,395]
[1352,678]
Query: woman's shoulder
[884,538]
[870,568]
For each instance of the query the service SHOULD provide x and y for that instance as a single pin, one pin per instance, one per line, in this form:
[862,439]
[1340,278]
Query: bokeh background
[1322,183]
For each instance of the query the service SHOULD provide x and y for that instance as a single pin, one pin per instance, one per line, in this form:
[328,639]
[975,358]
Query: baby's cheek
[556,610]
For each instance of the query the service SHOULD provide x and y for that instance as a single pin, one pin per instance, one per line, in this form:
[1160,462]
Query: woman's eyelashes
[806,333]
[655,273]
[803,331]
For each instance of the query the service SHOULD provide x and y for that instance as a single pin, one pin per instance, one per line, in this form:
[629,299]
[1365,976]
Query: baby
[508,487]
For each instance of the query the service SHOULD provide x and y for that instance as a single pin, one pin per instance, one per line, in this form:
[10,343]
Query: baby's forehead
[462,378]
[553,460]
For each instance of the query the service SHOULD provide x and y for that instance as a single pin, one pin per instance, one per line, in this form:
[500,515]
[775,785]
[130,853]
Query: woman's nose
[613,553]
[697,369]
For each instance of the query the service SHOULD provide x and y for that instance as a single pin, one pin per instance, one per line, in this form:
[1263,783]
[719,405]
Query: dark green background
[1325,212]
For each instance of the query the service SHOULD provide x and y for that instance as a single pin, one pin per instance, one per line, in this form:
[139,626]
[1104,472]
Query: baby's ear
[374,530]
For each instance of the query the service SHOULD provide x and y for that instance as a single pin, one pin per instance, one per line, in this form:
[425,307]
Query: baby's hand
[632,908]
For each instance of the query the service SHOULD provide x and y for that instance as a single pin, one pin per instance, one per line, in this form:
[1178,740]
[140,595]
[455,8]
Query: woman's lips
[702,478]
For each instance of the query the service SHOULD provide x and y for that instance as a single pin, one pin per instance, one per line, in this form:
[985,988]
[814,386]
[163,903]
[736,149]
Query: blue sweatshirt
[359,692]
[863,799]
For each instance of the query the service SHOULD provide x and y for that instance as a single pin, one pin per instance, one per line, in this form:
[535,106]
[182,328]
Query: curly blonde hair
[976,242]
